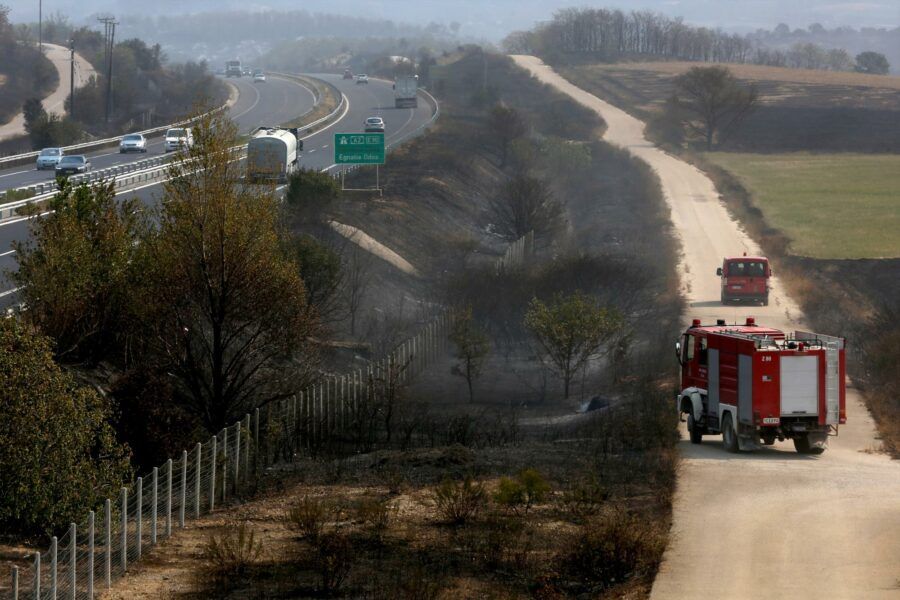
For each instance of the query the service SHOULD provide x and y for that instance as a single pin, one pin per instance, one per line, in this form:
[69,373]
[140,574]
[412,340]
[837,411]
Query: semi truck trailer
[273,154]
[406,90]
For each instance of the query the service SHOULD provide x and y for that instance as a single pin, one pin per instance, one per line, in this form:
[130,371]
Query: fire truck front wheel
[695,431]
[804,446]
[729,438]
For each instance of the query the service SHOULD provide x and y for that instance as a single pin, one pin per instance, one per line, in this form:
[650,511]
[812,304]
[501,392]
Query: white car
[179,138]
[48,158]
[134,142]
[374,125]
[362,78]
[259,77]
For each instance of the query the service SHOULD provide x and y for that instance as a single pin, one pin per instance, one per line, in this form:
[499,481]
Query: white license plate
[737,287]
[771,421]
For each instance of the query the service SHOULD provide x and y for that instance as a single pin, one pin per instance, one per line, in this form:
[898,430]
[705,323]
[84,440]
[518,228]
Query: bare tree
[714,100]
[357,277]
[472,348]
[506,125]
[524,204]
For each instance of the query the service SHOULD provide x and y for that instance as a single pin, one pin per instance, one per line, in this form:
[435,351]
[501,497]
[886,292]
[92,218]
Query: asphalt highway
[276,101]
[271,103]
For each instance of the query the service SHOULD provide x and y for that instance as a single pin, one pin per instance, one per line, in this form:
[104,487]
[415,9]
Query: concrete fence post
[247,444]
[139,517]
[54,543]
[124,533]
[73,559]
[169,497]
[37,576]
[90,556]
[154,497]
[15,583]
[181,505]
[212,480]
[256,440]
[107,543]
[237,457]
[224,464]
[199,468]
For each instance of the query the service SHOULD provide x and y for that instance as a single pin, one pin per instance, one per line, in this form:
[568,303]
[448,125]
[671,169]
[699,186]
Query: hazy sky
[495,18]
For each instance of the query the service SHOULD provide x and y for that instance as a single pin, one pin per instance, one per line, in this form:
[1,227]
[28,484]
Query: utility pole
[72,79]
[110,33]
[41,25]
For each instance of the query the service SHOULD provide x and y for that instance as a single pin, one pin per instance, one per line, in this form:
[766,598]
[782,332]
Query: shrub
[585,498]
[612,549]
[499,543]
[231,554]
[333,560]
[309,517]
[457,503]
[375,514]
[527,489]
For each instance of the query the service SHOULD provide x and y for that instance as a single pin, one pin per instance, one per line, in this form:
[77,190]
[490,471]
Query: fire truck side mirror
[678,353]
[719,271]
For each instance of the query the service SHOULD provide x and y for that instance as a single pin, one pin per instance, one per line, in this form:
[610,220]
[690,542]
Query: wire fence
[100,549]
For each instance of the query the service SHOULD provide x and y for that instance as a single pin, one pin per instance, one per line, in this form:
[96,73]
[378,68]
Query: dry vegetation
[799,109]
[509,493]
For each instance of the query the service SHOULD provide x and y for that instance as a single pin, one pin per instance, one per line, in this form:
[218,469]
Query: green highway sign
[359,148]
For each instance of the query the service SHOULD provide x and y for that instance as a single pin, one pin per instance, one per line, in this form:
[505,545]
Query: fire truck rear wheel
[803,446]
[695,431]
[729,438]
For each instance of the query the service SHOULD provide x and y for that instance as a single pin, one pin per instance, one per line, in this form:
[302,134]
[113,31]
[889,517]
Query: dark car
[72,165]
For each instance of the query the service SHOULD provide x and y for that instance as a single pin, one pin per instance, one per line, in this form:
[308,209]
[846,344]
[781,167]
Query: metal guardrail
[10,161]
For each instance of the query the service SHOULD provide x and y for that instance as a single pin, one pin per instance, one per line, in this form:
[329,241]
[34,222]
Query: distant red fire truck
[755,385]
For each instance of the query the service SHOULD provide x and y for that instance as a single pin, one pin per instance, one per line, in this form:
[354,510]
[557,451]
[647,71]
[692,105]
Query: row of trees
[199,306]
[611,35]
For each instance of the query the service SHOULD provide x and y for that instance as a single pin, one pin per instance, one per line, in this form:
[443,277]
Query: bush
[585,498]
[310,193]
[309,517]
[375,515]
[231,555]
[333,560]
[612,549]
[499,543]
[527,489]
[457,503]
[58,452]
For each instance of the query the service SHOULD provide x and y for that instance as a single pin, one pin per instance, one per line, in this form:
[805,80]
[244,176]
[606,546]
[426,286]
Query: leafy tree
[53,130]
[505,125]
[33,110]
[58,454]
[224,309]
[714,100]
[309,194]
[524,204]
[571,330]
[78,270]
[472,348]
[322,273]
[872,62]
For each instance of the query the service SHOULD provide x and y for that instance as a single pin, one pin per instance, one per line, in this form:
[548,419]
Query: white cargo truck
[406,91]
[273,154]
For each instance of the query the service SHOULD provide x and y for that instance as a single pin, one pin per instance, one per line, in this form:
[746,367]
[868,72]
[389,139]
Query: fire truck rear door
[800,385]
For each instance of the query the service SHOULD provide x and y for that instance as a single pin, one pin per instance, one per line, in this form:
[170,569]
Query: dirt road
[771,524]
[55,102]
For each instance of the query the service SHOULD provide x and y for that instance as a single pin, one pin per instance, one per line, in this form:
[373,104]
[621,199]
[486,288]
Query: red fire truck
[745,278]
[755,384]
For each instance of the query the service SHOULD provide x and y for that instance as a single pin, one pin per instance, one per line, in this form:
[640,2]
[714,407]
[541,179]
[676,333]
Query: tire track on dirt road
[769,524]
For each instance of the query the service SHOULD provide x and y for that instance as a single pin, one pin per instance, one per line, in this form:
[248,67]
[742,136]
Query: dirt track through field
[771,524]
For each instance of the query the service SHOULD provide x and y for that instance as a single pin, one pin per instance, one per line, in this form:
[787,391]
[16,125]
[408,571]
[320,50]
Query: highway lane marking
[7,253]
[19,173]
[258,97]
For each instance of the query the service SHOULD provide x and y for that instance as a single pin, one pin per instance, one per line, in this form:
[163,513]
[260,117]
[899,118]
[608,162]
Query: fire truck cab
[755,385]
[745,278]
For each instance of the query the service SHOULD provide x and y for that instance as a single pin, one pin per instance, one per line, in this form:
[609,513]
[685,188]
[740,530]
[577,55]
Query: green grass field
[831,206]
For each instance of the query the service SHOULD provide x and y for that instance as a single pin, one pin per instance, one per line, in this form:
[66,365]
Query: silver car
[133,142]
[72,165]
[49,158]
[374,125]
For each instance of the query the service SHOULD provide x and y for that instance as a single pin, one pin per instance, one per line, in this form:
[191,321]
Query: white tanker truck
[273,154]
